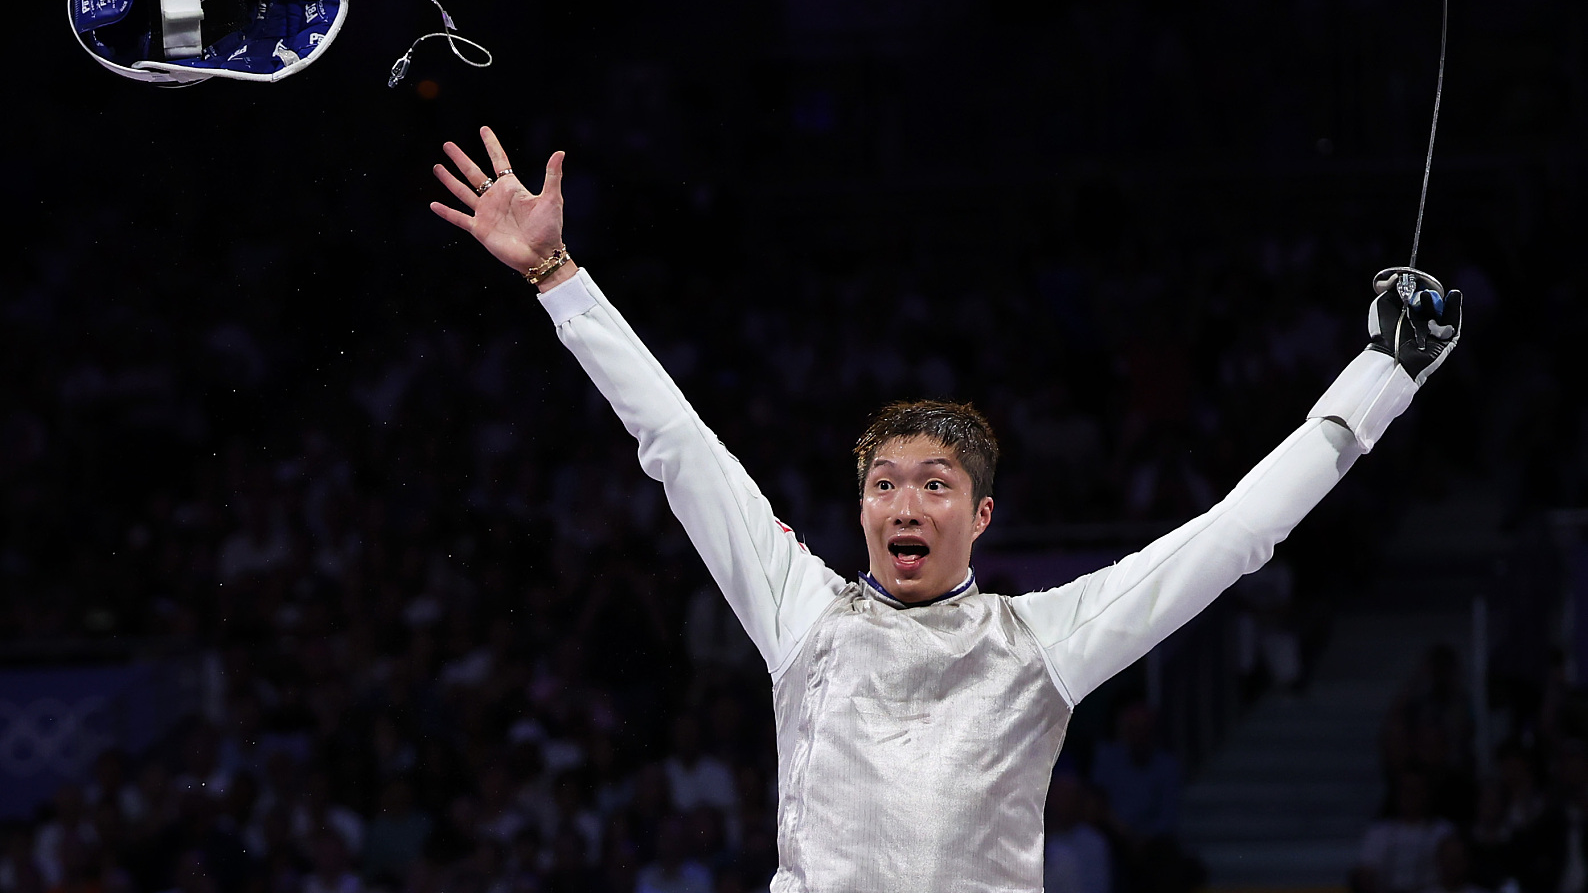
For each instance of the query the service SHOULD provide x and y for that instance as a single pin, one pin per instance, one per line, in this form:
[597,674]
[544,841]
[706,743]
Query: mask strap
[180,34]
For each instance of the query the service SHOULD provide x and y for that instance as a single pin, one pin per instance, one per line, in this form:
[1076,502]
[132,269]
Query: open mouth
[908,552]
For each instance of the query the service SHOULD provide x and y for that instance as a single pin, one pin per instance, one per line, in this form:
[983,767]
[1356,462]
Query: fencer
[918,717]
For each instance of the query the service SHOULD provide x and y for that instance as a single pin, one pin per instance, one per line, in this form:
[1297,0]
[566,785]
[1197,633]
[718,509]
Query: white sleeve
[775,586]
[1103,622]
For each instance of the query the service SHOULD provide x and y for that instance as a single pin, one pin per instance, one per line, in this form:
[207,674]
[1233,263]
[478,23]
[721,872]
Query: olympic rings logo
[50,734]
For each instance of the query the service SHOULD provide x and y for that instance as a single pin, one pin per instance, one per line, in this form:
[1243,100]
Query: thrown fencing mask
[177,42]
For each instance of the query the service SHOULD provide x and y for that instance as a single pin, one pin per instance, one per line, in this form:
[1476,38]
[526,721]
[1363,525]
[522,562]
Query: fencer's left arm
[1103,622]
[1098,625]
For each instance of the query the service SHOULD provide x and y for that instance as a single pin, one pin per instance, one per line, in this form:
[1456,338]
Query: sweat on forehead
[956,426]
[878,462]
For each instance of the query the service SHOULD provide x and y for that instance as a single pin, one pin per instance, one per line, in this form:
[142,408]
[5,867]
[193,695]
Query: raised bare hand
[520,228]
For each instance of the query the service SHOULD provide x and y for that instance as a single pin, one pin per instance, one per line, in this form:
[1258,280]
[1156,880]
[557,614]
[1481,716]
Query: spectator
[672,871]
[714,637]
[500,817]
[397,835]
[1491,855]
[1436,699]
[1398,851]
[315,811]
[619,871]
[614,788]
[650,808]
[1555,854]
[524,861]
[110,780]
[694,776]
[79,866]
[259,546]
[199,827]
[453,839]
[1451,869]
[270,838]
[19,870]
[571,811]
[71,828]
[332,871]
[192,874]
[240,804]
[1451,783]
[1076,857]
[706,837]
[1522,797]
[1268,638]
[201,769]
[1140,780]
[570,870]
[1139,777]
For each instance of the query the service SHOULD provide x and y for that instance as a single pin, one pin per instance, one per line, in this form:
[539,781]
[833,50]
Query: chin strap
[179,28]
[399,69]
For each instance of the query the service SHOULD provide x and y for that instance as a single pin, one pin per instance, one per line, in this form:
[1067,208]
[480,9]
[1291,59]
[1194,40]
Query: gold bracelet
[548,266]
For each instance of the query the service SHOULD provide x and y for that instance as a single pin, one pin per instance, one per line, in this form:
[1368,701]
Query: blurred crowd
[461,644]
[1451,825]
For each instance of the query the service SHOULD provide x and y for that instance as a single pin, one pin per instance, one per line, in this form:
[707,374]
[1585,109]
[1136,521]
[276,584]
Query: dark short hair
[957,426]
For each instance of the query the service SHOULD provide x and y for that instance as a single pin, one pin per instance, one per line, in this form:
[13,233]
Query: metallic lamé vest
[914,749]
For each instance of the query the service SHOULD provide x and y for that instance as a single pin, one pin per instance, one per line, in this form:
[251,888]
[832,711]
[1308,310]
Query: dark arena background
[324,567]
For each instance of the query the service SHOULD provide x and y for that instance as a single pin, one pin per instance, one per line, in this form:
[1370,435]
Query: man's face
[920,518]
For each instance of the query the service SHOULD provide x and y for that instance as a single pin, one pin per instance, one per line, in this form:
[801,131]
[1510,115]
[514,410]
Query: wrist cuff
[1367,396]
[569,299]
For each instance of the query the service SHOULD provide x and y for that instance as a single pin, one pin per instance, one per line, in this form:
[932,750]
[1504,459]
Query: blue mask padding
[290,24]
[90,14]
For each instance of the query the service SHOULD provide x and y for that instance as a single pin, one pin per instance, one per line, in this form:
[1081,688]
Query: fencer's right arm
[775,586]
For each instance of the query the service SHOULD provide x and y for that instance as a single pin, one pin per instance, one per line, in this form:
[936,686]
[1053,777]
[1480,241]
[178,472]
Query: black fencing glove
[1414,320]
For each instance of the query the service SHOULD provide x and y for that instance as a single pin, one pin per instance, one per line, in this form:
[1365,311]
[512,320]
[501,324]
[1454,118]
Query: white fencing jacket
[915,743]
